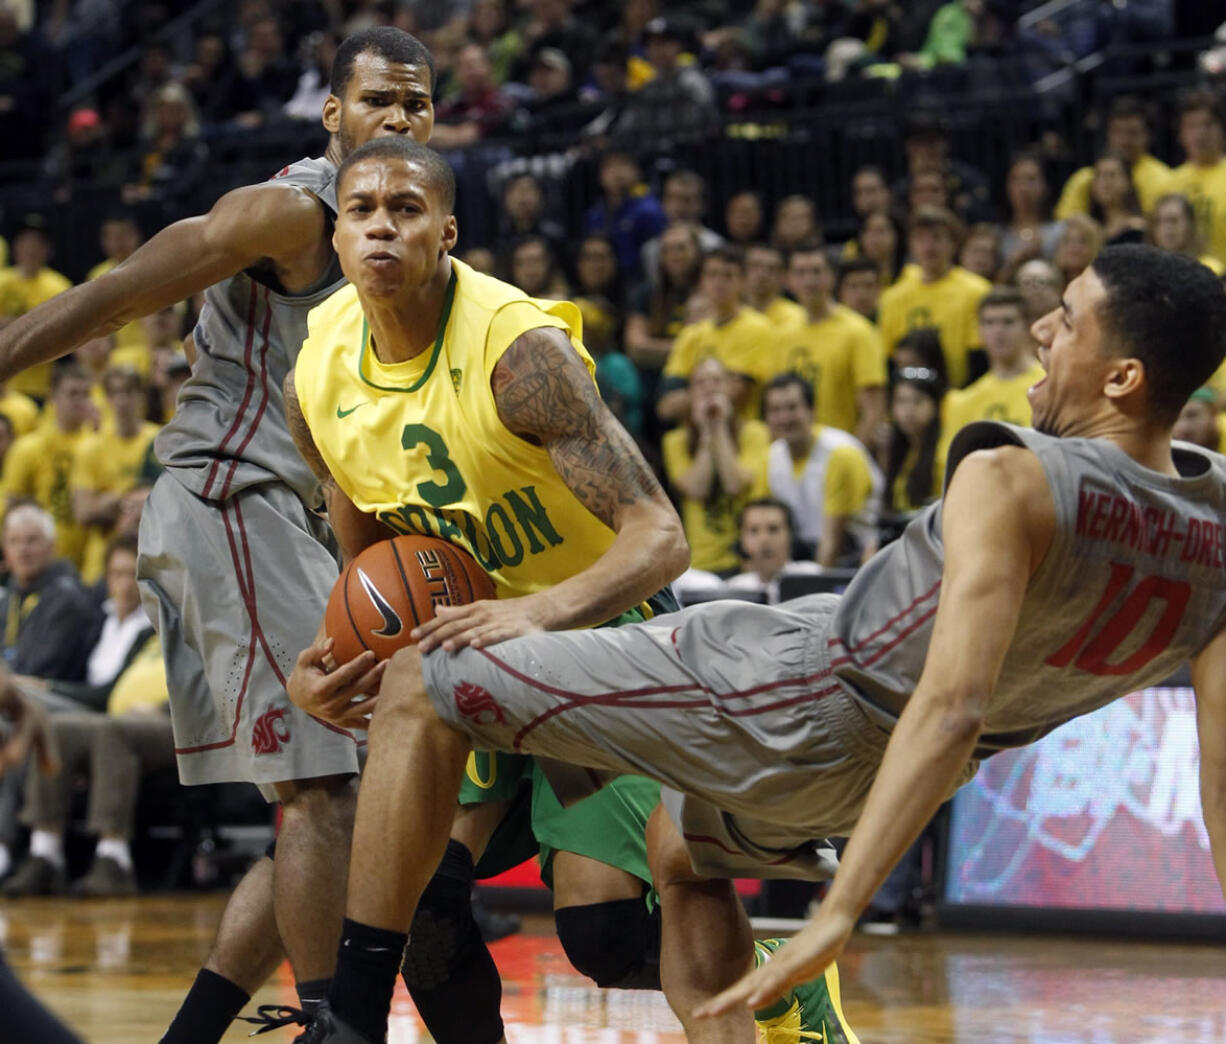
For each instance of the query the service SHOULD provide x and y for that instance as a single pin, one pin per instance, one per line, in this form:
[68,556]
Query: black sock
[310,994]
[207,1010]
[447,967]
[365,976]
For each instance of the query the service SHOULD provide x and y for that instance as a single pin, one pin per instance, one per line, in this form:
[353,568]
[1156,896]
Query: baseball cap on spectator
[83,119]
[33,222]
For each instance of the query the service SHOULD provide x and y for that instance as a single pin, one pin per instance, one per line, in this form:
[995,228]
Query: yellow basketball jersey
[420,445]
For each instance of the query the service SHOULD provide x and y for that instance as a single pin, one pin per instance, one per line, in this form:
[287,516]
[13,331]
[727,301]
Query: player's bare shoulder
[1005,480]
[281,224]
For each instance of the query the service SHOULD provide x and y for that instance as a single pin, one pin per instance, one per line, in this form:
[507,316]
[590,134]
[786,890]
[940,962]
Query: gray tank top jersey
[1133,585]
[229,430]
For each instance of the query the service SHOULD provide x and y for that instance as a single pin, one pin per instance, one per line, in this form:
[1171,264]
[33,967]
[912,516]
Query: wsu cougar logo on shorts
[270,732]
[476,704]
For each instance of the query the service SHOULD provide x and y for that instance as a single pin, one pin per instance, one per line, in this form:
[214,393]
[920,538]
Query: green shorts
[610,826]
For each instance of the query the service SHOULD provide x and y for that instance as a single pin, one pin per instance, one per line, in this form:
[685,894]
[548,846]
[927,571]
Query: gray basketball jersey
[1133,585]
[229,430]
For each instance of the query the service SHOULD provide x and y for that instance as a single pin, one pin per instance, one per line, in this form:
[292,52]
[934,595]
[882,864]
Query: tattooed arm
[545,395]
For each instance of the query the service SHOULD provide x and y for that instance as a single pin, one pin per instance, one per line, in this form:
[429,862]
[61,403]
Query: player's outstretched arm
[997,523]
[1209,680]
[262,221]
[545,394]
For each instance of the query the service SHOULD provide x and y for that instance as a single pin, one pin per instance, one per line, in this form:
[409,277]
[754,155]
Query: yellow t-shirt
[1149,174]
[838,355]
[129,338]
[106,463]
[991,398]
[782,312]
[17,296]
[745,344]
[1206,188]
[142,685]
[21,410]
[420,445]
[1213,264]
[39,465]
[950,304]
[710,525]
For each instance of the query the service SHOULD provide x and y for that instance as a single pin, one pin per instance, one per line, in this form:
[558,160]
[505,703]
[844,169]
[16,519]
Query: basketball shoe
[811,1011]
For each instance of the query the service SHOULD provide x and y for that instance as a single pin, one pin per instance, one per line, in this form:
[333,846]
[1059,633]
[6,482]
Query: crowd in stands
[798,394]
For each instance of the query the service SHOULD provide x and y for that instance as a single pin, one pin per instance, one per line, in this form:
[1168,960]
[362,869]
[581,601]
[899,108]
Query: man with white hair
[50,623]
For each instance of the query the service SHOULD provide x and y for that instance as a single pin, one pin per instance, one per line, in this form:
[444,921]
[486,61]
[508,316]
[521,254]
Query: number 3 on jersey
[1097,640]
[433,493]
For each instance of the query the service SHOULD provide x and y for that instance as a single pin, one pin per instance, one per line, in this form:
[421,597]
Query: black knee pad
[616,944]
[443,926]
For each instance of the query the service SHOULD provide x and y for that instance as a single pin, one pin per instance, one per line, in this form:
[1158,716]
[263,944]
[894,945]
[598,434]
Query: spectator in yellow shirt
[1172,226]
[1000,394]
[714,463]
[120,235]
[39,465]
[738,336]
[941,294]
[859,286]
[824,475]
[28,283]
[764,269]
[1202,177]
[1128,133]
[108,464]
[838,352]
[21,410]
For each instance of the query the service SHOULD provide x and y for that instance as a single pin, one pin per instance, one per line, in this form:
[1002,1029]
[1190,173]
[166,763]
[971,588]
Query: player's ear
[332,114]
[1126,377]
[451,234]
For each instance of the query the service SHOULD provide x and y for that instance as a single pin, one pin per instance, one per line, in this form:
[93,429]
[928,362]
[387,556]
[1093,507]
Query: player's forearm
[648,553]
[56,328]
[929,749]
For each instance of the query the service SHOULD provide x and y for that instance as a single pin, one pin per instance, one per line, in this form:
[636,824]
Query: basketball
[395,585]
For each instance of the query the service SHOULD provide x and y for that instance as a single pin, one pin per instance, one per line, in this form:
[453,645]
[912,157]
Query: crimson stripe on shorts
[625,696]
[242,408]
[253,612]
[251,650]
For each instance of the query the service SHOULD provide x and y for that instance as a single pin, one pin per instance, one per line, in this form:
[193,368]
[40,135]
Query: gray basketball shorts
[731,706]
[236,589]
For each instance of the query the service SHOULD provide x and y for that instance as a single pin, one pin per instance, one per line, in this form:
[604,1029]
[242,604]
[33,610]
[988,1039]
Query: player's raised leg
[707,943]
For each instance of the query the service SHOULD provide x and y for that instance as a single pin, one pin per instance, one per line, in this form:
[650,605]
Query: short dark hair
[790,380]
[1201,99]
[387,42]
[1004,297]
[67,371]
[438,171]
[1127,107]
[120,542]
[809,246]
[852,265]
[1169,312]
[768,502]
[728,253]
[937,217]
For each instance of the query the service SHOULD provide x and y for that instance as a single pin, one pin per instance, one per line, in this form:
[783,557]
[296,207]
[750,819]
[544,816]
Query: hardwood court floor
[117,970]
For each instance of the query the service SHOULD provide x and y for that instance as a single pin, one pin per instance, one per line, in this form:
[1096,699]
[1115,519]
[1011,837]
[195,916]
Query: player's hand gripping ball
[394,586]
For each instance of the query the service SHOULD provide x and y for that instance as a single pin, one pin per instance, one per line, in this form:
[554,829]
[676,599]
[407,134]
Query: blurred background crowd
[809,239]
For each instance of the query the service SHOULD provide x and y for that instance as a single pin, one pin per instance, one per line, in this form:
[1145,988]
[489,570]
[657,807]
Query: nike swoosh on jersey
[392,624]
[345,413]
